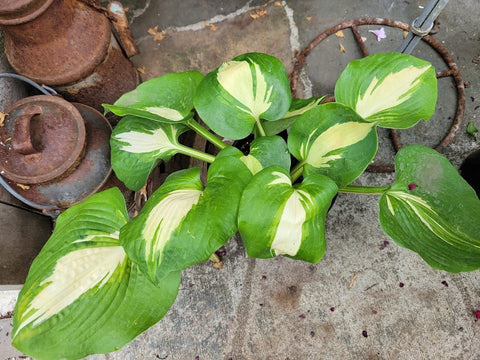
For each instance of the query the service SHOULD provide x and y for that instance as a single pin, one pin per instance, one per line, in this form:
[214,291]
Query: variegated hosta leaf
[267,151]
[138,144]
[331,139]
[297,108]
[168,98]
[393,90]
[183,223]
[433,211]
[276,218]
[82,294]
[233,97]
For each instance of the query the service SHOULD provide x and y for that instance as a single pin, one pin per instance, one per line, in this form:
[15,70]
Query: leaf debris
[258,14]
[141,69]
[308,18]
[472,129]
[277,3]
[342,48]
[157,36]
[2,118]
[211,26]
[340,34]
[23,187]
[352,281]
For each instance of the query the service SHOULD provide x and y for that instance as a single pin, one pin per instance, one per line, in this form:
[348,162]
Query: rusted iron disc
[42,138]
[453,71]
[90,174]
[61,45]
[14,12]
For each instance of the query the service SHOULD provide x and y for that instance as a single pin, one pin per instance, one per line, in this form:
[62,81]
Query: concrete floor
[367,298]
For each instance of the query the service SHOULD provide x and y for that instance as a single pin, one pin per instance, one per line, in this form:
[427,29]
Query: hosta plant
[103,278]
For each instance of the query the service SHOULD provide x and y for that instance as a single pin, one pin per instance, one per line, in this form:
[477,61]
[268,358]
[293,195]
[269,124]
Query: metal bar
[422,25]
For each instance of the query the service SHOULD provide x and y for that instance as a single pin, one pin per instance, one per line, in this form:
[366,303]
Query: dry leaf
[259,13]
[143,193]
[24,187]
[405,33]
[340,34]
[363,38]
[211,26]
[342,48]
[218,265]
[157,36]
[153,31]
[277,3]
[354,278]
[2,118]
[141,69]
[308,18]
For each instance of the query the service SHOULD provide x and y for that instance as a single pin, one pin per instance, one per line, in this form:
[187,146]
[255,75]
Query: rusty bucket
[54,153]
[68,45]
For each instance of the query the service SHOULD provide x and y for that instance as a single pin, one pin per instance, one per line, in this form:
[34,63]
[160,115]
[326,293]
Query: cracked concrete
[367,298]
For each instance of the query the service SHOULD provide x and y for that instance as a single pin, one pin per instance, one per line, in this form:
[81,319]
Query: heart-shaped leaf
[331,139]
[137,146]
[267,151]
[168,98]
[183,223]
[276,218]
[83,295]
[235,96]
[433,211]
[393,90]
[297,108]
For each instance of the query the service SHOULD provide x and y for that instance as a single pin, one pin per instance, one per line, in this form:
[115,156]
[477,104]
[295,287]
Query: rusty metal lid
[41,139]
[14,12]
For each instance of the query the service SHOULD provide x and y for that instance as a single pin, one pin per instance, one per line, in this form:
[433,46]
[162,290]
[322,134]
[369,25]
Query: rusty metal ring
[300,60]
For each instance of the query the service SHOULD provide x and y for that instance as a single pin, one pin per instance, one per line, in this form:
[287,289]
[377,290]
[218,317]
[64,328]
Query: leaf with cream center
[138,145]
[392,90]
[235,96]
[183,222]
[168,98]
[333,140]
[83,289]
[276,218]
[432,210]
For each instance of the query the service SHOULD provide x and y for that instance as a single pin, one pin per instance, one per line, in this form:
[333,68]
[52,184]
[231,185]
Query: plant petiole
[199,129]
[197,154]
[260,128]
[297,171]
[357,189]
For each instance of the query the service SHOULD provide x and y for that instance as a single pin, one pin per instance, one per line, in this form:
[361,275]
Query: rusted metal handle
[22,140]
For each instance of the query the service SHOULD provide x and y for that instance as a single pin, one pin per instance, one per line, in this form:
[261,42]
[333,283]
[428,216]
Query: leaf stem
[260,128]
[197,154]
[297,171]
[200,130]
[356,189]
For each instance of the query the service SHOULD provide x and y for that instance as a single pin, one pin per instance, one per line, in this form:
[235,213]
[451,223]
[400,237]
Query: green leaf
[297,108]
[276,218]
[83,295]
[432,210]
[333,140]
[234,97]
[472,130]
[137,146]
[183,223]
[168,98]
[393,90]
[267,151]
